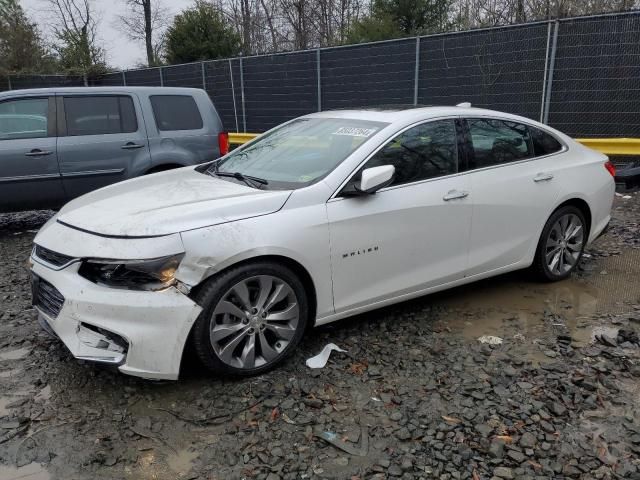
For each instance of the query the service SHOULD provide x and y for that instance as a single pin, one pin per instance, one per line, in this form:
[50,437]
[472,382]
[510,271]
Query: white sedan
[326,216]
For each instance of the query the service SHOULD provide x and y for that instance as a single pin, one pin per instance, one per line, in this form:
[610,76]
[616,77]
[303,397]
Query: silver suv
[59,143]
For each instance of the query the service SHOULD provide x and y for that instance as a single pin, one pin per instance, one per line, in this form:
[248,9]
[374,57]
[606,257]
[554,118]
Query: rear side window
[176,112]
[543,142]
[23,118]
[495,142]
[100,115]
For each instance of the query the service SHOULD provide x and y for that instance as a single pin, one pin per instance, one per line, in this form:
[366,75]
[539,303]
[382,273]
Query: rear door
[102,140]
[512,189]
[29,174]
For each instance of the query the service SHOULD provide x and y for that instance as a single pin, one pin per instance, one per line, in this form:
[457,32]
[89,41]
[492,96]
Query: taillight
[611,168]
[223,143]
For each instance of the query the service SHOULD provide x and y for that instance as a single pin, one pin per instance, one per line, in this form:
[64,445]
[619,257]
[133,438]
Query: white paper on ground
[490,339]
[320,360]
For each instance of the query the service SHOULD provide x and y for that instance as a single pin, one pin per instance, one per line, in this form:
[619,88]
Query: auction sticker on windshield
[355,131]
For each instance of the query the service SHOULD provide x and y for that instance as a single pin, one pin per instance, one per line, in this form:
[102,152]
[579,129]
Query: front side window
[494,142]
[99,115]
[176,112]
[23,118]
[298,153]
[426,151]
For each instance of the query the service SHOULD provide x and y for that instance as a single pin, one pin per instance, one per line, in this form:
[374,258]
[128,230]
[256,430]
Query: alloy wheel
[254,321]
[564,244]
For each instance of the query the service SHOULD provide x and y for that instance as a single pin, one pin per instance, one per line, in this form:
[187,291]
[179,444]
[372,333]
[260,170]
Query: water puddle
[150,465]
[33,471]
[181,462]
[517,309]
[15,354]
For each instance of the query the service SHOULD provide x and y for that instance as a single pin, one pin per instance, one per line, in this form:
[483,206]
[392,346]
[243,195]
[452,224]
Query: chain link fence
[581,75]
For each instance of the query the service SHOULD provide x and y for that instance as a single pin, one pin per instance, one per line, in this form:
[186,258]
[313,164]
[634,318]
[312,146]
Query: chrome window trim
[383,144]
[23,178]
[564,149]
[87,173]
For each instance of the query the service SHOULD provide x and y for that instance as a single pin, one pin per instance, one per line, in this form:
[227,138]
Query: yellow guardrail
[608,146]
[613,146]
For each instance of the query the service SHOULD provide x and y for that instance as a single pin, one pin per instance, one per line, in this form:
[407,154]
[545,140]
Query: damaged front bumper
[143,333]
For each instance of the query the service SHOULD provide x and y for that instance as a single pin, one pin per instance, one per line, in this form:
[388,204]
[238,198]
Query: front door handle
[543,177]
[455,195]
[36,152]
[131,146]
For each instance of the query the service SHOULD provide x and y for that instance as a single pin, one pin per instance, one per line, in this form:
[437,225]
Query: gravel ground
[416,396]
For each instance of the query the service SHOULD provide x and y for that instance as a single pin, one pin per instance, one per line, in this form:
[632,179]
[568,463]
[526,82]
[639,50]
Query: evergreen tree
[200,33]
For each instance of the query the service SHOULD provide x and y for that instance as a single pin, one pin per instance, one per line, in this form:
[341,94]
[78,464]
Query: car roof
[394,114]
[91,90]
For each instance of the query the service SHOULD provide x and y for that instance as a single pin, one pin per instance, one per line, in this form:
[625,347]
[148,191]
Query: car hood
[166,203]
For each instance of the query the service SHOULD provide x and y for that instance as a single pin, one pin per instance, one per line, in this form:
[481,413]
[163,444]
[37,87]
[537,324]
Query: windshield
[298,153]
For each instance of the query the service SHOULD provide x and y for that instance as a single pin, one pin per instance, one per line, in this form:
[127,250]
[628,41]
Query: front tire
[561,244]
[253,318]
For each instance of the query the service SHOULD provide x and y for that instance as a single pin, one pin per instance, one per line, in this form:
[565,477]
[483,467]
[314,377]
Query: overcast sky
[121,52]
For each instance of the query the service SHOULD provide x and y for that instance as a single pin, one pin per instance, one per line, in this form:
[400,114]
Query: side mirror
[375,178]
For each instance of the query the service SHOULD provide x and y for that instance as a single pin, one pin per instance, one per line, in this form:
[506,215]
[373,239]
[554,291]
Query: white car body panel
[79,244]
[360,253]
[156,324]
[166,203]
[509,208]
[376,241]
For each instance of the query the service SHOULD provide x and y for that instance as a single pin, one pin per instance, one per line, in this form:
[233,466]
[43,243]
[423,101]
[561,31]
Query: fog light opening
[96,337]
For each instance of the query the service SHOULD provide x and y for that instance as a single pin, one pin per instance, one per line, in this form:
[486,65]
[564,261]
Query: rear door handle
[543,177]
[36,152]
[455,195]
[131,146]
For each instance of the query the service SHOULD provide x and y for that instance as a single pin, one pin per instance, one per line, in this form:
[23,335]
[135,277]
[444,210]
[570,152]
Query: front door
[101,140]
[407,237]
[29,174]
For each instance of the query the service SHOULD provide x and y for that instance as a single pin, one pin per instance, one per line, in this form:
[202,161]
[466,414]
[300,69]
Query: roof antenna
[464,105]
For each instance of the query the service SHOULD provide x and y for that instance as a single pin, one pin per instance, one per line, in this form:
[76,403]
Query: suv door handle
[543,177]
[455,195]
[131,146]
[36,152]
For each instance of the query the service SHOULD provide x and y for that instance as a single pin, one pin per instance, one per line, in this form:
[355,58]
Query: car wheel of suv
[561,244]
[253,317]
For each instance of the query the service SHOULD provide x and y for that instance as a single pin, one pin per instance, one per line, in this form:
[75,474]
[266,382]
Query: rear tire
[561,244]
[253,318]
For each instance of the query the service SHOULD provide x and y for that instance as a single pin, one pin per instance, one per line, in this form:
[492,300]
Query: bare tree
[480,13]
[75,29]
[145,21]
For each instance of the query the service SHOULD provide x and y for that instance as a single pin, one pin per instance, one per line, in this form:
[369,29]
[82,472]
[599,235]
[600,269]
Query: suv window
[426,151]
[99,115]
[544,143]
[176,112]
[494,142]
[23,118]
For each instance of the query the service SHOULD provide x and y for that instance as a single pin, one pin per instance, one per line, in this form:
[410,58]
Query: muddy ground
[416,396]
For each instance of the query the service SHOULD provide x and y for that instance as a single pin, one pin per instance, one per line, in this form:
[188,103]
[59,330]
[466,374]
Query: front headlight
[153,274]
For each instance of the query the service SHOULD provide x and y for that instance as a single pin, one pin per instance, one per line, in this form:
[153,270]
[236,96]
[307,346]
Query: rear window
[176,112]
[100,115]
